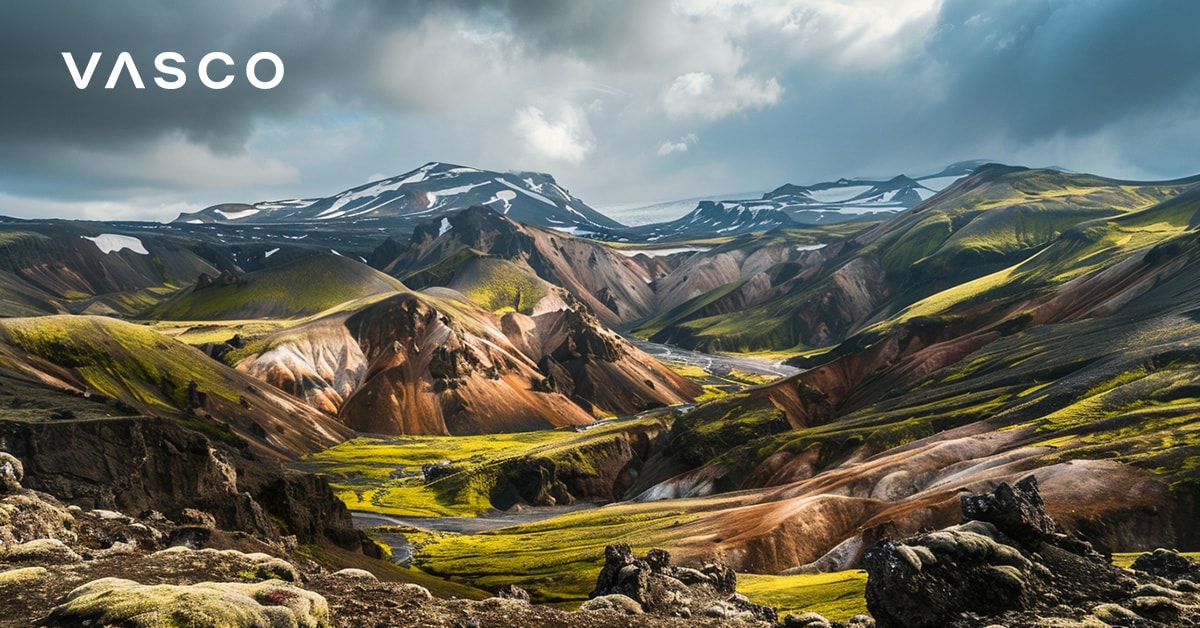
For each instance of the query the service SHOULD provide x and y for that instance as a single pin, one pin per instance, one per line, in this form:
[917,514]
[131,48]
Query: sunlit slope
[152,374]
[962,239]
[300,288]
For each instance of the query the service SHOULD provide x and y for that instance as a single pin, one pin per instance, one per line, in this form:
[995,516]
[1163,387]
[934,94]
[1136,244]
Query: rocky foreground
[1008,564]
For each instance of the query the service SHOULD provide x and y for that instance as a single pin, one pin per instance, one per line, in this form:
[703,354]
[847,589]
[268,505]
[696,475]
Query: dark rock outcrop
[141,464]
[665,589]
[1167,564]
[1008,565]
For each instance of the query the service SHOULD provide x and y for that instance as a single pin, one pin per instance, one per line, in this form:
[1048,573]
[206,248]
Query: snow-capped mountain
[432,190]
[827,202]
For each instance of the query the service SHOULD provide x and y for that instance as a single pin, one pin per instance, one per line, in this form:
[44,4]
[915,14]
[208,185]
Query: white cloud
[701,95]
[134,209]
[566,137]
[680,146]
[174,162]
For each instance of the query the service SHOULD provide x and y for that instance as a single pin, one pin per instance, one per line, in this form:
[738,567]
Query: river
[717,364]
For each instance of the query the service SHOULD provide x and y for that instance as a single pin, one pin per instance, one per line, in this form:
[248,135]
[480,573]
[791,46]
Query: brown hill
[433,363]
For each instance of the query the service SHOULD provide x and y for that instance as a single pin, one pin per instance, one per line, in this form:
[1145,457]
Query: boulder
[1168,564]
[11,473]
[661,588]
[1008,565]
[115,601]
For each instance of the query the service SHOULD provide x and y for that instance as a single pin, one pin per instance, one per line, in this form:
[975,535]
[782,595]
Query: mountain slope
[307,286]
[431,191]
[979,226]
[433,363]
[614,286]
[151,374]
[51,267]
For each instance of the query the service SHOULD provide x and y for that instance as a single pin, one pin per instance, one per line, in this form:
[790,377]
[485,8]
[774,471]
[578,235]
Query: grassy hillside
[300,288]
[1001,232]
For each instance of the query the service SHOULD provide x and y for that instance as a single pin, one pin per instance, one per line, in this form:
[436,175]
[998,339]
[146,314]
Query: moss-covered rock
[115,601]
[21,575]
[253,566]
[40,551]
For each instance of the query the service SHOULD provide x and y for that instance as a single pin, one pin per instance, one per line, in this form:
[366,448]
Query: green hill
[296,289]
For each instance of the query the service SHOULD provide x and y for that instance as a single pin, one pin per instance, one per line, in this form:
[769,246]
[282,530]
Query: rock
[21,575]
[41,551]
[28,516]
[11,473]
[195,517]
[614,603]
[191,537]
[115,601]
[360,574]
[806,620]
[1167,564]
[863,621]
[1017,511]
[415,590]
[665,589]
[249,566]
[978,574]
[513,592]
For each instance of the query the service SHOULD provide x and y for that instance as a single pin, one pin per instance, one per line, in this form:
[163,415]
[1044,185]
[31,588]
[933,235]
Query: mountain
[127,369]
[431,191]
[308,285]
[434,363]
[50,267]
[981,225]
[614,286]
[790,205]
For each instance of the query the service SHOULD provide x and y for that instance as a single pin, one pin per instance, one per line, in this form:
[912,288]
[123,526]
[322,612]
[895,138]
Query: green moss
[838,596]
[119,359]
[301,288]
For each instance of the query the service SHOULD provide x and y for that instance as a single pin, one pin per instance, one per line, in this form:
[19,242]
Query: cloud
[781,90]
[680,146]
[565,138]
[700,95]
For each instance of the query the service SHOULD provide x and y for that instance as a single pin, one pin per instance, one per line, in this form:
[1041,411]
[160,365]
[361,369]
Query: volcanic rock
[658,587]
[978,573]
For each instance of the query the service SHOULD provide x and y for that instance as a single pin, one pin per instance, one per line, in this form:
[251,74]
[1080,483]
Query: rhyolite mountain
[435,363]
[431,191]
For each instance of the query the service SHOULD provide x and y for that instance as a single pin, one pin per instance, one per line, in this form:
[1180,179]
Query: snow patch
[662,252]
[837,194]
[270,253]
[445,226]
[246,213]
[111,243]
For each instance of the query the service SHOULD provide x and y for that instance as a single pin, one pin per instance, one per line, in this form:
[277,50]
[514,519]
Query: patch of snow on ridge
[270,253]
[445,226]
[839,194]
[246,213]
[111,243]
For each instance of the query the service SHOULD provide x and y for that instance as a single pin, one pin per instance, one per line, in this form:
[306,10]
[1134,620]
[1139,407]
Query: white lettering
[160,64]
[252,75]
[206,79]
[124,60]
[81,81]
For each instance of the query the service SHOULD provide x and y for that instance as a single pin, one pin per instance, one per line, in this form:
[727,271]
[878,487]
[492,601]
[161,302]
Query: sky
[624,102]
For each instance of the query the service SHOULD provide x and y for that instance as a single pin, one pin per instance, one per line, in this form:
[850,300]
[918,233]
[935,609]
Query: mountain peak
[434,190]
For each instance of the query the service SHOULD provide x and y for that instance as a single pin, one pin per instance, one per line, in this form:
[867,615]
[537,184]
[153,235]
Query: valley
[478,376]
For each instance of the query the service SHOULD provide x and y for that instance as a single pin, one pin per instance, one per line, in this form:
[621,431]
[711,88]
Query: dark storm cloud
[1039,68]
[766,91]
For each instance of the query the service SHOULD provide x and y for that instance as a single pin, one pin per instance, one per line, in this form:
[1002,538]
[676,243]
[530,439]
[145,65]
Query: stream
[716,364]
